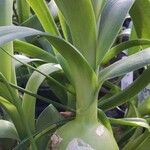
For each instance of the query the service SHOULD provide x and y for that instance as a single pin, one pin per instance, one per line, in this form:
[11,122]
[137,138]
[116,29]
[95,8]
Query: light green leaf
[24,59]
[82,25]
[126,95]
[48,117]
[110,24]
[141,21]
[97,6]
[14,115]
[126,65]
[33,84]
[122,46]
[131,122]
[42,11]
[8,130]
[33,51]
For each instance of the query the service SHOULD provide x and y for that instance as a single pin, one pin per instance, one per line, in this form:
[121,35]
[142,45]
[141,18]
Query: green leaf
[82,25]
[33,51]
[8,130]
[65,28]
[78,66]
[126,95]
[42,11]
[14,115]
[126,65]
[141,21]
[97,6]
[104,120]
[110,24]
[33,22]
[131,122]
[33,85]
[48,117]
[125,45]
[23,10]
[24,59]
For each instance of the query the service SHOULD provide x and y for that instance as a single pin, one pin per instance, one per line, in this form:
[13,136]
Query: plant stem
[6,19]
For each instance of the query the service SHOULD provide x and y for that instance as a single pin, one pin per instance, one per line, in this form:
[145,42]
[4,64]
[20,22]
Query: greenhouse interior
[74,75]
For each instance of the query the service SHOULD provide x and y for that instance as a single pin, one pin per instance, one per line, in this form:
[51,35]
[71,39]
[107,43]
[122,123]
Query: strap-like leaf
[14,115]
[33,51]
[112,18]
[141,21]
[44,15]
[82,25]
[33,84]
[128,93]
[126,65]
[25,60]
[131,122]
[125,45]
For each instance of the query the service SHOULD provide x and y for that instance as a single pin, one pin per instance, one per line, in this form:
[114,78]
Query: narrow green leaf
[8,130]
[82,25]
[110,24]
[42,11]
[24,59]
[104,120]
[48,117]
[126,95]
[97,6]
[141,21]
[126,65]
[14,115]
[65,27]
[125,45]
[23,10]
[33,84]
[131,122]
[33,51]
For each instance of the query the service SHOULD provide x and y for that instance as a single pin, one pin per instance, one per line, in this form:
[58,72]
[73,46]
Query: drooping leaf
[126,95]
[33,84]
[33,51]
[110,24]
[24,59]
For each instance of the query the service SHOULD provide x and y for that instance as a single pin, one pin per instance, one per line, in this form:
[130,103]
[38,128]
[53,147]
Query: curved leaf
[131,122]
[24,59]
[112,17]
[33,51]
[128,93]
[126,65]
[8,130]
[33,84]
[48,117]
[14,115]
[125,45]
